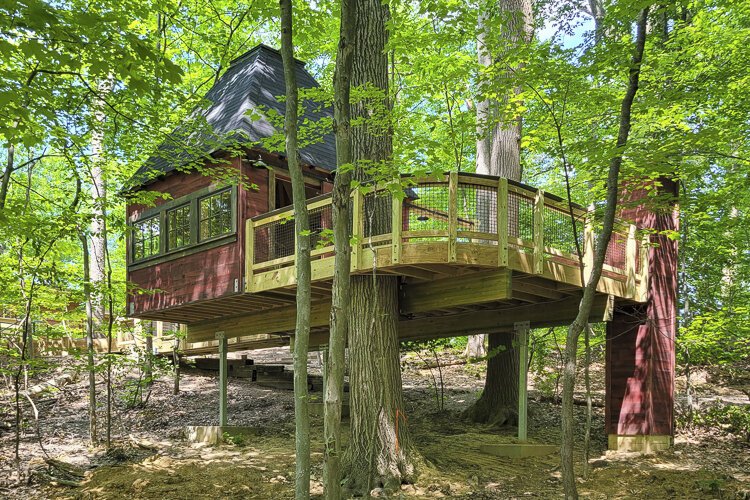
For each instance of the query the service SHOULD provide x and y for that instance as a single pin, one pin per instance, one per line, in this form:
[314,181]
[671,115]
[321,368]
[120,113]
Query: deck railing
[457,209]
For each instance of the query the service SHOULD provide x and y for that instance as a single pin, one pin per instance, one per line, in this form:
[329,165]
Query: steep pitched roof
[253,82]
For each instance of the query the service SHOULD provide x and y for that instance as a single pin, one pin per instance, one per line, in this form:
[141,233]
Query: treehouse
[474,253]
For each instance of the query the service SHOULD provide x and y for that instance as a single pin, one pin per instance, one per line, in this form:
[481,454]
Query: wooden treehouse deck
[475,253]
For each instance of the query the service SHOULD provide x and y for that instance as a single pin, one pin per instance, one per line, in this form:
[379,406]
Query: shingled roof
[252,83]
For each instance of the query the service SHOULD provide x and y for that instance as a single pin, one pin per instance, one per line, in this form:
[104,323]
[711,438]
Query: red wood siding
[640,348]
[203,275]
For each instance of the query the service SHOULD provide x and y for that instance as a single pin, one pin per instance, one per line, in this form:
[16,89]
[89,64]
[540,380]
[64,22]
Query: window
[192,223]
[178,227]
[146,238]
[215,215]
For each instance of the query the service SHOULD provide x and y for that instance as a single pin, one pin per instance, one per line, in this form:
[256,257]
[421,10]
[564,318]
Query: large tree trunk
[97,266]
[340,291]
[498,404]
[499,153]
[589,292]
[380,450]
[302,261]
[380,453]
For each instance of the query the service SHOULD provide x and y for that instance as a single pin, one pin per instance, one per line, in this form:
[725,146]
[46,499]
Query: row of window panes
[215,220]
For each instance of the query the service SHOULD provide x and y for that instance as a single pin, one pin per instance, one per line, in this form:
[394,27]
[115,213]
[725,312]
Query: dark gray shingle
[252,83]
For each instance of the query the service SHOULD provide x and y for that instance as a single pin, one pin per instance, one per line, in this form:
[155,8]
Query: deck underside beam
[281,320]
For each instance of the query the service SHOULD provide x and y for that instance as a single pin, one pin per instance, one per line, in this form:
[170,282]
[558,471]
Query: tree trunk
[340,311]
[302,260]
[99,203]
[380,453]
[89,339]
[589,292]
[499,153]
[475,347]
[5,182]
[498,404]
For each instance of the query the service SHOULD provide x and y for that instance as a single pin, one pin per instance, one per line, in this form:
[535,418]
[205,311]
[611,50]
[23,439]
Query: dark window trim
[232,216]
[189,226]
[195,246]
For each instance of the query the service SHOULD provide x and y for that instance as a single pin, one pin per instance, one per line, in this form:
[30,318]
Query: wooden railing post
[631,249]
[452,215]
[357,228]
[249,254]
[539,232]
[644,271]
[502,222]
[588,247]
[397,224]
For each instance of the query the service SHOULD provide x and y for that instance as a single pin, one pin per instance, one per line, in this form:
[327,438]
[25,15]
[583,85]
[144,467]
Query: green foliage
[727,418]
[235,440]
[716,338]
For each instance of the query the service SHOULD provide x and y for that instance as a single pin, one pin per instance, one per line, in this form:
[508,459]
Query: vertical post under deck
[522,331]
[222,378]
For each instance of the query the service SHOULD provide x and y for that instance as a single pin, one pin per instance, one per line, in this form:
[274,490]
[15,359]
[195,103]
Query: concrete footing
[519,450]
[215,434]
[639,443]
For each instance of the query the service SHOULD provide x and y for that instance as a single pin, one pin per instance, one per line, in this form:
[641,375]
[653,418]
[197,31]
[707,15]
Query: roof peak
[261,47]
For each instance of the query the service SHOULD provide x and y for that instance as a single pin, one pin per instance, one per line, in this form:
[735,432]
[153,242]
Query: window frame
[191,200]
[151,238]
[213,216]
[169,227]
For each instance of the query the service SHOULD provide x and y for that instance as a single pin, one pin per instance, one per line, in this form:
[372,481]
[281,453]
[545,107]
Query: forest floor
[150,458]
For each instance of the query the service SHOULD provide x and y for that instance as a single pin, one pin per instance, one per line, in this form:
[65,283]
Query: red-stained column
[640,351]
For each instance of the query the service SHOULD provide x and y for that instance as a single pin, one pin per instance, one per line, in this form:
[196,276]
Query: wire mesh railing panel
[321,225]
[427,208]
[476,209]
[616,251]
[273,241]
[376,214]
[558,230]
[520,216]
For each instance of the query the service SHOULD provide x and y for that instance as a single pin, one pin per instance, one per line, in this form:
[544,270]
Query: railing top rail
[550,199]
[289,208]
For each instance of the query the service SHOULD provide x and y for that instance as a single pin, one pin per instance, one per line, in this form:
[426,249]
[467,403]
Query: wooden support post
[271,189]
[324,368]
[222,378]
[539,232]
[644,271]
[522,333]
[502,222]
[358,221]
[588,247]
[452,215]
[397,224]
[631,249]
[249,254]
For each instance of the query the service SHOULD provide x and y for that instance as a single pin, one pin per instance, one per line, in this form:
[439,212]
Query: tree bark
[589,292]
[380,453]
[99,202]
[89,339]
[499,153]
[340,311]
[5,183]
[498,404]
[302,260]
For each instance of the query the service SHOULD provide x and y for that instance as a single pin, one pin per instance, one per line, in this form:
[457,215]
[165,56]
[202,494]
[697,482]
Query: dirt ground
[152,460]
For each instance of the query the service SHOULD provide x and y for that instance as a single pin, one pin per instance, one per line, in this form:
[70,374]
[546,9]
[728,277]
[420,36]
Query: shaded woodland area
[595,154]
